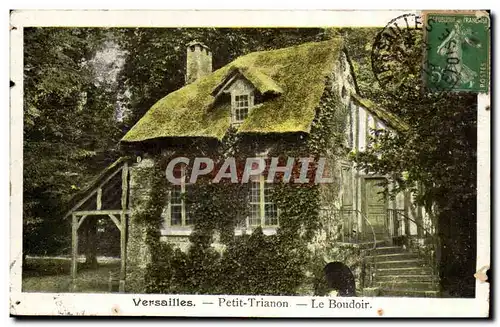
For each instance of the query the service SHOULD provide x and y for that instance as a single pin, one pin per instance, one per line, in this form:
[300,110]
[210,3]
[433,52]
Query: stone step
[407,285]
[408,293]
[393,256]
[407,278]
[412,263]
[368,244]
[386,250]
[403,271]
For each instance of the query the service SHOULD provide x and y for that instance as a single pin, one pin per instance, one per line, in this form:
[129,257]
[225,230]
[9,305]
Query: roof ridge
[306,44]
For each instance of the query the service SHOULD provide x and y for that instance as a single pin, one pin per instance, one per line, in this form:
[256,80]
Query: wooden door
[375,208]
[349,223]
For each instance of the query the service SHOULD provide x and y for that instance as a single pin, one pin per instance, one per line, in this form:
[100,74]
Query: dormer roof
[296,74]
[260,81]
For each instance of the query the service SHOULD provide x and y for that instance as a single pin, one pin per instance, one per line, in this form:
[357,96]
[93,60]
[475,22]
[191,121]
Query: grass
[41,274]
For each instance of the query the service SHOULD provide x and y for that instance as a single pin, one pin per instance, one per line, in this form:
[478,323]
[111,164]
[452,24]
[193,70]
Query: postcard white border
[122,304]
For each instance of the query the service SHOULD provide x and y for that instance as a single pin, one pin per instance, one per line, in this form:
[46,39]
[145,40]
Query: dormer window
[243,84]
[241,106]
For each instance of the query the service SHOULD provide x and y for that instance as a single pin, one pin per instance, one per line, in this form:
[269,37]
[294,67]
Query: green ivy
[248,264]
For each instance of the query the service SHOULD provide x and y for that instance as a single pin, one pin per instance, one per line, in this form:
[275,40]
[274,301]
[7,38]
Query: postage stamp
[192,164]
[458,49]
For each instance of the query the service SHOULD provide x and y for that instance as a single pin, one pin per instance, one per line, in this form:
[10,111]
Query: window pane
[254,199]
[175,214]
[271,214]
[254,215]
[241,98]
[254,192]
[175,194]
[241,113]
[270,208]
[241,106]
[189,218]
[268,188]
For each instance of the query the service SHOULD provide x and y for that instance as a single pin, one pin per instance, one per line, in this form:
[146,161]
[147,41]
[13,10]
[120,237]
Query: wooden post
[407,214]
[99,199]
[123,229]
[110,282]
[74,250]
[392,217]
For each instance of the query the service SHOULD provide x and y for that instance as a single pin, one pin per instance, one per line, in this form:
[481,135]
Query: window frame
[250,100]
[184,211]
[262,204]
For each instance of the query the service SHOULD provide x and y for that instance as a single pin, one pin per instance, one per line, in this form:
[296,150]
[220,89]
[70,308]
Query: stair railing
[370,225]
[368,266]
[396,216]
[345,223]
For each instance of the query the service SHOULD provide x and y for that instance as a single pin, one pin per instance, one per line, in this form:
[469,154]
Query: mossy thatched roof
[297,74]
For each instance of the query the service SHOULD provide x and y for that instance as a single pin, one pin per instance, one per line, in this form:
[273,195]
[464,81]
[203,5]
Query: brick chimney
[198,61]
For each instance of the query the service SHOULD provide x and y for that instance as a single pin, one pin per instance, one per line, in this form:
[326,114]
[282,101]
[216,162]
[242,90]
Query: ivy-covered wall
[141,206]
[280,264]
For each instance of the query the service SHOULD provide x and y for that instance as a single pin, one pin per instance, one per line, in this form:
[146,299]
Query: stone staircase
[400,273]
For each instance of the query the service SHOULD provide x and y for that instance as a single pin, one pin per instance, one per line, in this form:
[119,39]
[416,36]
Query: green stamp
[457,52]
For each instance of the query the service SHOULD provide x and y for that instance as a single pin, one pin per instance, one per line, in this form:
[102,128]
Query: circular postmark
[400,64]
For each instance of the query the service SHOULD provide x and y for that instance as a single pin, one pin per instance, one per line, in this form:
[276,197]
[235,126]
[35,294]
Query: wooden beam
[124,186]
[74,250]
[123,252]
[94,191]
[230,80]
[123,229]
[100,212]
[115,220]
[81,222]
[99,198]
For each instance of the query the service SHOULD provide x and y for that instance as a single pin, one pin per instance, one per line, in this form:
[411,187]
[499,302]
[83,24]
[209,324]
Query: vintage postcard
[250,163]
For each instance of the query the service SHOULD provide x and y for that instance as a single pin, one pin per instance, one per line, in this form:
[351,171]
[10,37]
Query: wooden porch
[107,196]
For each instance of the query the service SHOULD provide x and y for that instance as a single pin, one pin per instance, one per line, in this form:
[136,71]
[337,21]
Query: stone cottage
[301,101]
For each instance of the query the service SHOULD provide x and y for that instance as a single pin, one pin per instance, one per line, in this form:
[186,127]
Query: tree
[435,159]
[69,128]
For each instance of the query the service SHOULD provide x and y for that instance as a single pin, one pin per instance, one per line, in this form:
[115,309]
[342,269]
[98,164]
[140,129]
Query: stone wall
[325,249]
[138,256]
